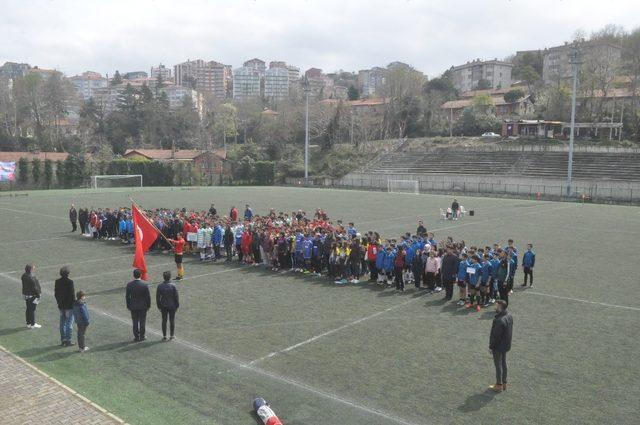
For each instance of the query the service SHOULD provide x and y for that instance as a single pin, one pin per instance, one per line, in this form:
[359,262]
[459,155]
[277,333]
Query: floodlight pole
[307,89]
[574,60]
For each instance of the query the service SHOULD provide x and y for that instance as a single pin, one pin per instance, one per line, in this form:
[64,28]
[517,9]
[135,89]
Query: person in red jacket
[245,244]
[233,214]
[186,229]
[398,264]
[178,247]
[372,254]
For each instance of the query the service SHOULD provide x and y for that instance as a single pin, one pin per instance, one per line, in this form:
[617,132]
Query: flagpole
[150,222]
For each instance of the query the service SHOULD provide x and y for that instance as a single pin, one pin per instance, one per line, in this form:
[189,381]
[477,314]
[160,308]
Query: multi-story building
[246,84]
[42,72]
[294,74]
[276,84]
[205,77]
[372,80]
[12,70]
[176,94]
[107,97]
[466,77]
[87,83]
[161,72]
[556,61]
[257,65]
[134,75]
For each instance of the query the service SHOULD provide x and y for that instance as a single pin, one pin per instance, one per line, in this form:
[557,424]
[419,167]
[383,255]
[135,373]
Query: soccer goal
[403,186]
[116,180]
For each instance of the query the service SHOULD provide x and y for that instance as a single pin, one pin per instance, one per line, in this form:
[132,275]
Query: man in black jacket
[168,302]
[73,217]
[448,270]
[500,344]
[31,293]
[138,302]
[64,293]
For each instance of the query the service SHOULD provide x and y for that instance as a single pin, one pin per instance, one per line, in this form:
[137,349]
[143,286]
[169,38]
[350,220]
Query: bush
[36,170]
[23,170]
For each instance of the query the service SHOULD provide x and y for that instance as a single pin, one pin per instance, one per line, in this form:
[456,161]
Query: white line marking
[34,213]
[242,365]
[93,260]
[332,331]
[626,307]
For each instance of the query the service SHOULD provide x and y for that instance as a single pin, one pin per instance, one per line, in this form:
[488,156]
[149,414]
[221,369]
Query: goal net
[114,180]
[403,186]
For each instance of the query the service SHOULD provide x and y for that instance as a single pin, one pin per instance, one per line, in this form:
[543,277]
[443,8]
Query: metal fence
[579,192]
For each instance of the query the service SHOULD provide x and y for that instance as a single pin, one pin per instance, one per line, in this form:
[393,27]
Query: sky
[74,36]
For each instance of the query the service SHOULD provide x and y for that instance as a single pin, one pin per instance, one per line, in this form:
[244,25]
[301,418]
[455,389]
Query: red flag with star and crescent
[145,234]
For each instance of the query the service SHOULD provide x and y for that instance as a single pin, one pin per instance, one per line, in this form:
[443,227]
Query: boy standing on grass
[474,270]
[528,261]
[462,279]
[81,313]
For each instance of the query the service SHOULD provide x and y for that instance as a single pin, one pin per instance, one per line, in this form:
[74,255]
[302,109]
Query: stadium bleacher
[536,164]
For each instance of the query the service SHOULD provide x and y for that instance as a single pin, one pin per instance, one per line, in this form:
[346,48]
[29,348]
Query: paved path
[29,396]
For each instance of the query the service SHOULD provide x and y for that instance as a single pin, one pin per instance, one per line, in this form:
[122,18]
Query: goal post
[403,186]
[116,180]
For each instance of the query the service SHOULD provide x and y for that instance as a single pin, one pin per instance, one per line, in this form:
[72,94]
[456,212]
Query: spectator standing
[138,303]
[64,293]
[528,262]
[168,302]
[31,292]
[500,344]
[73,217]
[455,206]
[81,314]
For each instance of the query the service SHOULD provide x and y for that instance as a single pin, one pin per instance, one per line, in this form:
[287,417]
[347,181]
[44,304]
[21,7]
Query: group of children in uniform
[317,246]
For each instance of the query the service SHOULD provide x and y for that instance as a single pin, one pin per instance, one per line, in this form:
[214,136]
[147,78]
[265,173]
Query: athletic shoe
[36,326]
[486,304]
[69,344]
[478,308]
[356,281]
[492,301]
[143,338]
[28,326]
[460,303]
[171,338]
[511,292]
[82,350]
[438,289]
[531,286]
[496,387]
[164,338]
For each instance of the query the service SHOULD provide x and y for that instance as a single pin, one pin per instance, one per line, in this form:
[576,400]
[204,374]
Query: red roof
[15,156]
[356,103]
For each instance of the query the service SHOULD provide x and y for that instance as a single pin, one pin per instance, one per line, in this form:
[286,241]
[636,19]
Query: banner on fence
[7,171]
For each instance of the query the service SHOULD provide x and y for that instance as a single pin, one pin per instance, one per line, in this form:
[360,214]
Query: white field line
[34,213]
[247,366]
[541,294]
[93,260]
[332,331]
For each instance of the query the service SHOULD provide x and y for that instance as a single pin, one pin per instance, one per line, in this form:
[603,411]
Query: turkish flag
[145,235]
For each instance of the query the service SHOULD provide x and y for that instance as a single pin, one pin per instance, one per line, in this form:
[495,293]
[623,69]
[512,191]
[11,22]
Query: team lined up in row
[317,246]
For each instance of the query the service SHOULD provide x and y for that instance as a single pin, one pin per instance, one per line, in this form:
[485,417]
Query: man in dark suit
[31,292]
[138,303]
[73,217]
[65,296]
[168,302]
[500,344]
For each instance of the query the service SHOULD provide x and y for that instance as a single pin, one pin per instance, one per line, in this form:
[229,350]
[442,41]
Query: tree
[23,170]
[353,93]
[61,176]
[513,95]
[36,170]
[57,94]
[482,103]
[483,84]
[403,88]
[631,66]
[48,173]
[117,79]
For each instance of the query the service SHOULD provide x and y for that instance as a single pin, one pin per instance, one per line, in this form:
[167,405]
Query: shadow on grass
[112,346]
[38,351]
[11,331]
[139,345]
[116,290]
[475,402]
[59,355]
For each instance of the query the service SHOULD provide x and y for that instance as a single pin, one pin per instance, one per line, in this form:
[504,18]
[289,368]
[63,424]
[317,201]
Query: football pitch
[320,353]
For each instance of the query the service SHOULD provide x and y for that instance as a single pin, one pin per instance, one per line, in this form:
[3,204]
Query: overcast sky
[104,35]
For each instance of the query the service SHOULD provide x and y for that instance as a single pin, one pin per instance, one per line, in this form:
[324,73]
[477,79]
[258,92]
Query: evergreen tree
[117,79]
[48,173]
[23,170]
[36,170]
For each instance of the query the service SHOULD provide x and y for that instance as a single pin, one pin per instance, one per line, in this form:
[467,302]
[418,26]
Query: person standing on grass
[502,274]
[168,302]
[81,314]
[449,269]
[73,217]
[64,293]
[528,261]
[178,247]
[138,303]
[500,344]
[31,292]
[398,263]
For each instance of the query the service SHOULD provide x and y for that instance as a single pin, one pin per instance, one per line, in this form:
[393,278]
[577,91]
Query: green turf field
[323,354]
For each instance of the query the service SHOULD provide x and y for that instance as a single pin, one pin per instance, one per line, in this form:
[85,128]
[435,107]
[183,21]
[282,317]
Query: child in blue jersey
[388,263]
[474,271]
[485,282]
[382,252]
[495,263]
[528,262]
[307,250]
[462,278]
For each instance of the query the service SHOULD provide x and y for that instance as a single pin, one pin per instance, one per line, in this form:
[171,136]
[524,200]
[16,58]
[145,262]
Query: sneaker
[492,301]
[460,303]
[28,326]
[82,350]
[164,338]
[171,338]
[69,344]
[36,326]
[142,338]
[438,289]
[355,281]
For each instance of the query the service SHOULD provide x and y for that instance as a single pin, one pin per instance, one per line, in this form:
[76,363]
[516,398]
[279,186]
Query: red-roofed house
[207,163]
